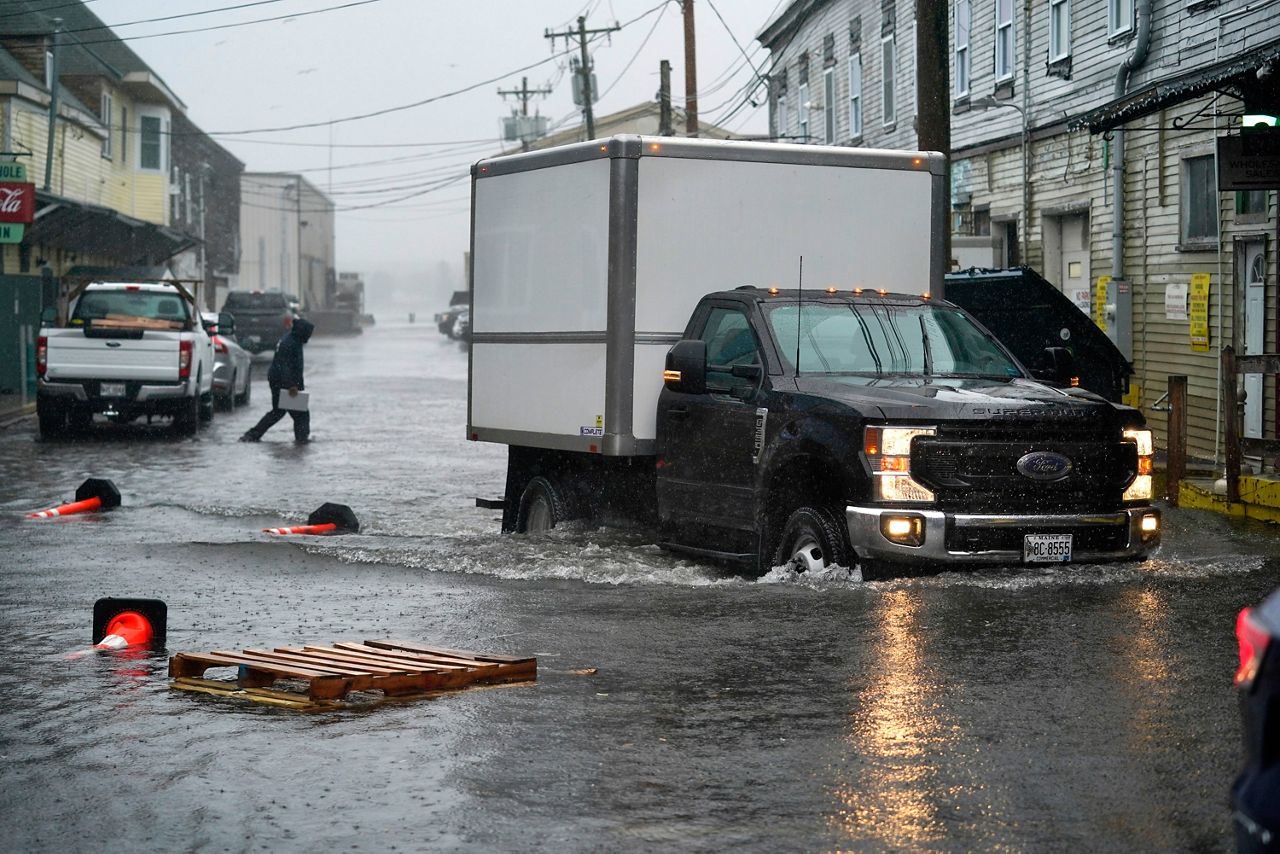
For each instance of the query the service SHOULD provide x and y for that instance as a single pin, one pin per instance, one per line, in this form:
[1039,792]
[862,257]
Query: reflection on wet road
[1080,707]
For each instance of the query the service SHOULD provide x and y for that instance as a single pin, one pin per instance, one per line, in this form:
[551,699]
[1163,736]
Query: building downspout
[1132,63]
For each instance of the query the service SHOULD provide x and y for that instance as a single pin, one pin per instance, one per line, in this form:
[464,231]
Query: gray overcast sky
[387,53]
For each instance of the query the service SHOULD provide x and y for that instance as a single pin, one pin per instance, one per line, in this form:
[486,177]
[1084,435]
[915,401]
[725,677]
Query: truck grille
[983,476]
[1085,538]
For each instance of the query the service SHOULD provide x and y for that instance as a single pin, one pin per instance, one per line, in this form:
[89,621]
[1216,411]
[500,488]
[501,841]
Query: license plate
[112,390]
[1046,548]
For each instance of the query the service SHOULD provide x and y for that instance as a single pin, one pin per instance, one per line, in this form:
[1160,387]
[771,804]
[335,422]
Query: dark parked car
[458,303]
[1255,797]
[261,317]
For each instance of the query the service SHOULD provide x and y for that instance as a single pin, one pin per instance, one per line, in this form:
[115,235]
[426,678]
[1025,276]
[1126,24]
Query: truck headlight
[1142,488]
[888,451]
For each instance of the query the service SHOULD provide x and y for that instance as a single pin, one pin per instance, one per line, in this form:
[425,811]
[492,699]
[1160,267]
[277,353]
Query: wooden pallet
[330,673]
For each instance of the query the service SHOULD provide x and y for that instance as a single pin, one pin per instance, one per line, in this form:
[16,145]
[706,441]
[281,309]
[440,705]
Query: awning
[1235,75]
[86,229]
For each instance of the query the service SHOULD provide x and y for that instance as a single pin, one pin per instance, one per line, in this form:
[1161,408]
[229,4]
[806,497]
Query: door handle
[678,412]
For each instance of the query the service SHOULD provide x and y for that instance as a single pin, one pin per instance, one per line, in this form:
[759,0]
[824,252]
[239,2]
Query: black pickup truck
[262,317]
[861,427]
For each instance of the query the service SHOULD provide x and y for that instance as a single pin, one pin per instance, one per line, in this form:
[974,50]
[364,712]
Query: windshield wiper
[928,349]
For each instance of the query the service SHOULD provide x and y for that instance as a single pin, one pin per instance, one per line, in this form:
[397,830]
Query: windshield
[881,338]
[148,305]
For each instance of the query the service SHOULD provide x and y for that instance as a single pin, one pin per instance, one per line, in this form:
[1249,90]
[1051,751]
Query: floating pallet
[330,673]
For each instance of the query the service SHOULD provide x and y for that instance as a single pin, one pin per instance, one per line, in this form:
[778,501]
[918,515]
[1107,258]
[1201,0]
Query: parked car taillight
[42,355]
[1253,638]
[184,359]
[219,345]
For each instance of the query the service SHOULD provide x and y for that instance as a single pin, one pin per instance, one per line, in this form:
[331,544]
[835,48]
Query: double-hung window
[1059,29]
[802,110]
[107,114]
[150,143]
[1199,203]
[1119,16]
[855,95]
[888,61]
[964,12]
[829,106]
[1004,40]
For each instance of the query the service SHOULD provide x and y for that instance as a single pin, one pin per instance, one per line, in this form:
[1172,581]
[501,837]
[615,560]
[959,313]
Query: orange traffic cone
[127,629]
[121,623]
[326,519]
[93,494]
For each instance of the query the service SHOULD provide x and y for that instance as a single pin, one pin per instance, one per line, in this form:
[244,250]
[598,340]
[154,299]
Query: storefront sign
[1250,161]
[17,202]
[1175,301]
[1199,312]
[11,232]
[11,171]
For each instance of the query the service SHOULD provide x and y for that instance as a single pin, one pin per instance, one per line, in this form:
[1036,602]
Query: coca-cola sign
[17,202]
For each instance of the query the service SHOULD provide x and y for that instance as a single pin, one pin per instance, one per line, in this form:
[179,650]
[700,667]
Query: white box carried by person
[297,402]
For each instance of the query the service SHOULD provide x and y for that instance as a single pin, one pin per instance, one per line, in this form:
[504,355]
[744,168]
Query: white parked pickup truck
[128,350]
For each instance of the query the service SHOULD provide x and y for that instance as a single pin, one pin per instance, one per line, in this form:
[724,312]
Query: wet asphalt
[1079,707]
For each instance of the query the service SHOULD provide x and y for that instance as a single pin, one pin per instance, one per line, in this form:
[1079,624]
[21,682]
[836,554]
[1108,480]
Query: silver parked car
[233,365]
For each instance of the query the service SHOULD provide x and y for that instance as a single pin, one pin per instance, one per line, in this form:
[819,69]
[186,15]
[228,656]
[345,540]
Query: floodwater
[1085,707]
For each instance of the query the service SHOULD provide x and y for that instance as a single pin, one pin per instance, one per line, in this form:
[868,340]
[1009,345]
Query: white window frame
[162,117]
[48,69]
[1186,200]
[802,110]
[888,79]
[1059,29]
[108,110]
[1006,46]
[1119,17]
[781,118]
[963,59]
[829,105]
[855,95]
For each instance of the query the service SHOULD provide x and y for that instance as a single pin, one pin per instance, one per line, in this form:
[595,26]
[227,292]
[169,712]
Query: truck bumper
[973,538]
[140,397]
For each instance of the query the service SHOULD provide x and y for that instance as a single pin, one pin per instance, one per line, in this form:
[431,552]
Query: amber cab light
[1253,639]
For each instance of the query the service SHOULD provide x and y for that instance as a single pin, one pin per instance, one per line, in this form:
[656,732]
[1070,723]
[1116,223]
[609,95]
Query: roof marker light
[916,161]
[773,292]
[882,292]
[926,295]
[653,146]
[831,290]
[857,292]
[604,148]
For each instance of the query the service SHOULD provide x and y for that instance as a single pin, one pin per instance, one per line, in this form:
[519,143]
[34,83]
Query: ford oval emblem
[1044,466]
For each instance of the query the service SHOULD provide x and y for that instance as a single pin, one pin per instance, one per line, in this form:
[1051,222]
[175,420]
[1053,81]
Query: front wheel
[542,506]
[812,539]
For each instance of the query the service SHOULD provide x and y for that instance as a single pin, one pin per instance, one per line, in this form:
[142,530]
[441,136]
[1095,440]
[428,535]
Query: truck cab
[840,427]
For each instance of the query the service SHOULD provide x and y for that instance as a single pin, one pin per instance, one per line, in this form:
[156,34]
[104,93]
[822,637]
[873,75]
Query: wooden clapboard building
[1045,127]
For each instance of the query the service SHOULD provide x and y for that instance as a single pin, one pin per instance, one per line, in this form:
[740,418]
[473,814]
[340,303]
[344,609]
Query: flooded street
[1079,707]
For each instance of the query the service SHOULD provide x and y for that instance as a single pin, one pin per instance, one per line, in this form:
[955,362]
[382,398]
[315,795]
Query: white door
[1254,257]
[1075,278]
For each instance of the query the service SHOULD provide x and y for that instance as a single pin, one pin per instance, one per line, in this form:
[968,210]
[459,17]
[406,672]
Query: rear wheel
[542,506]
[812,539]
[187,419]
[227,400]
[243,398]
[53,420]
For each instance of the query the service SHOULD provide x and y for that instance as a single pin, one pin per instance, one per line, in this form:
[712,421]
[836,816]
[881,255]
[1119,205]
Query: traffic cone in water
[122,623]
[326,519]
[94,494]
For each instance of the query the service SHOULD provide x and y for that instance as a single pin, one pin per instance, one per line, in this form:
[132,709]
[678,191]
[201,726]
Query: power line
[116,39]
[46,9]
[172,17]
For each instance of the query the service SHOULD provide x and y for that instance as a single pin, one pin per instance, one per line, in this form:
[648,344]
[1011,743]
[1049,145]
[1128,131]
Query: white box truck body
[588,259]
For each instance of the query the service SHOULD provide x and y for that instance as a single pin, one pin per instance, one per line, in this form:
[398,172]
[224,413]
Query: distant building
[641,119]
[287,238]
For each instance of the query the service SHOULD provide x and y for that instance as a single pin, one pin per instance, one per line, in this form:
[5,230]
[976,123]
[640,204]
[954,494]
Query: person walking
[285,374]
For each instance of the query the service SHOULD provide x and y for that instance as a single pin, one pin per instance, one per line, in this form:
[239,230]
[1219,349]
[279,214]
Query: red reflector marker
[1253,639]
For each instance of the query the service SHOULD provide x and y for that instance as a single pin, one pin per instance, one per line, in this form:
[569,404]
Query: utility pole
[584,67]
[52,72]
[933,95]
[524,93]
[690,72]
[664,99]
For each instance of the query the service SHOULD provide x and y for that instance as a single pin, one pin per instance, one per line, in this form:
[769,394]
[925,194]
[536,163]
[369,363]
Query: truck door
[706,442]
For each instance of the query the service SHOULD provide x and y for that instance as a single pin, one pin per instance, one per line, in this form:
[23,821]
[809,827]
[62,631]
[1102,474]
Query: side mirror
[226,323]
[1056,366]
[687,367]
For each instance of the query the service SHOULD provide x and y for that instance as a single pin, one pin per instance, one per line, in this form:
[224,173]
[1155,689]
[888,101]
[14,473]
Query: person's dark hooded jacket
[286,367]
